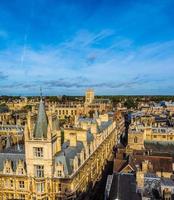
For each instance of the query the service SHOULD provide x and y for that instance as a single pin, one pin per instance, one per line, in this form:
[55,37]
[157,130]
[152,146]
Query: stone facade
[44,168]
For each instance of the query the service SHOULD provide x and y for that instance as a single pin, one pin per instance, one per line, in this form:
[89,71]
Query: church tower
[42,141]
[89,96]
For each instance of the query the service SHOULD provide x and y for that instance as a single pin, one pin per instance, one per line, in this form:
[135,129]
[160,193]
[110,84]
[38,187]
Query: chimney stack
[73,140]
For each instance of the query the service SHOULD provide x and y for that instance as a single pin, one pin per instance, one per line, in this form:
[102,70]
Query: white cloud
[116,65]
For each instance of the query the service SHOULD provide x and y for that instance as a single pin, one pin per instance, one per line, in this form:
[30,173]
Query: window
[40,187]
[12,196]
[6,183]
[135,139]
[21,184]
[38,151]
[59,173]
[39,170]
[59,187]
[7,170]
[21,171]
[22,196]
[9,196]
[11,183]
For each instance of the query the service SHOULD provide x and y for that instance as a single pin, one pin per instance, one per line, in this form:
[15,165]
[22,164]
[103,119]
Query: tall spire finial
[40,92]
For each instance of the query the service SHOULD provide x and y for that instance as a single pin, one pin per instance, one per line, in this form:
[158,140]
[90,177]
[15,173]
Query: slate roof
[40,130]
[87,120]
[152,185]
[90,137]
[104,125]
[167,182]
[67,155]
[13,154]
[162,147]
[123,187]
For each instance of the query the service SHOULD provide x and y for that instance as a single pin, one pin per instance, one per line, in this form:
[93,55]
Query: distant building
[89,96]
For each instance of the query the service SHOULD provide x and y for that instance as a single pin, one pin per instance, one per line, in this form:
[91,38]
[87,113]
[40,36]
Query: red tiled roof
[159,163]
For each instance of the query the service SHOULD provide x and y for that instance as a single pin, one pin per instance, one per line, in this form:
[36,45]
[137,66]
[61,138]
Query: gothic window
[135,139]
[38,151]
[39,171]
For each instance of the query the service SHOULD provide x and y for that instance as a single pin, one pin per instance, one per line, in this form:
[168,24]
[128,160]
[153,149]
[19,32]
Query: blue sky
[65,46]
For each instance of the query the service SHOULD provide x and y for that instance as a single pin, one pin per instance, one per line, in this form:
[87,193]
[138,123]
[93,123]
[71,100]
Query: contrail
[27,30]
[24,50]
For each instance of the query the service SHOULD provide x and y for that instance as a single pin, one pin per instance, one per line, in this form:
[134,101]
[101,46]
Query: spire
[40,92]
[40,130]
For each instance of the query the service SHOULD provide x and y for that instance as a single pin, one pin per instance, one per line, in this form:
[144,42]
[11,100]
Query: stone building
[45,167]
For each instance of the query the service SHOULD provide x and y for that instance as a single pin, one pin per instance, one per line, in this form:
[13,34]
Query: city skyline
[65,47]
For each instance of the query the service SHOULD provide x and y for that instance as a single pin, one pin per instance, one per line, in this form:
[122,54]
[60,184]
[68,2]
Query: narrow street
[97,193]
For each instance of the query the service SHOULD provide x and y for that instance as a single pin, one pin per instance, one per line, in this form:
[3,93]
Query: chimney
[73,140]
[94,128]
[104,117]
[98,121]
[145,166]
[59,142]
[140,179]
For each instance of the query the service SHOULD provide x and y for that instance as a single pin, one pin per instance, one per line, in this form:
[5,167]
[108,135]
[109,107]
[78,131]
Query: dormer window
[38,151]
[59,170]
[8,170]
[21,171]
